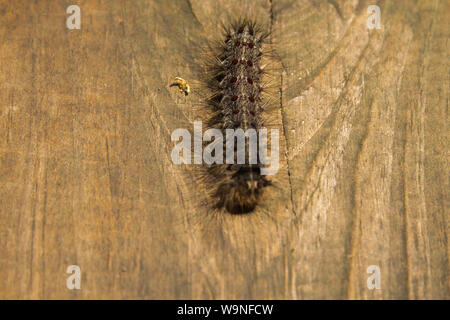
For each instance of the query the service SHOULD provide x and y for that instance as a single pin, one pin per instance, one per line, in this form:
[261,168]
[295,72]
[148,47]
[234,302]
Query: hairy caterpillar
[235,78]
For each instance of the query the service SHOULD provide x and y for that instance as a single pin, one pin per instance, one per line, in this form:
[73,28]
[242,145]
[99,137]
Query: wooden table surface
[87,179]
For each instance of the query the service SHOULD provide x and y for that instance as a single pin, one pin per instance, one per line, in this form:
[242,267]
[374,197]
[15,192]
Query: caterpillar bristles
[237,94]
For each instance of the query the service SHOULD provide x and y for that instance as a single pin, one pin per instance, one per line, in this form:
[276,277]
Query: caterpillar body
[237,102]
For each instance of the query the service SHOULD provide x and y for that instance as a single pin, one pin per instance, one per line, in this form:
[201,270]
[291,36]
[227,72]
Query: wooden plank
[87,177]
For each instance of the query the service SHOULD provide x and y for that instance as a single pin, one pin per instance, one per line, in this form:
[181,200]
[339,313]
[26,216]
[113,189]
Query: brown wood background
[86,176]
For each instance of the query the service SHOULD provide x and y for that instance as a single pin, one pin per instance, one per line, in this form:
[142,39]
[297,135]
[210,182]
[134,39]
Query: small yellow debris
[182,85]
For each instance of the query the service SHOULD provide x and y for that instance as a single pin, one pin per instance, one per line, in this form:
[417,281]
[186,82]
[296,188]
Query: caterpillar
[235,78]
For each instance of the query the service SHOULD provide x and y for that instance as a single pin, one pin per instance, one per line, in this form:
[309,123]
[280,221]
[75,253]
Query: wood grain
[87,179]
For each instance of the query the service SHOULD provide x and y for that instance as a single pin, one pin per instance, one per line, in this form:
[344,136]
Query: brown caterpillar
[235,79]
